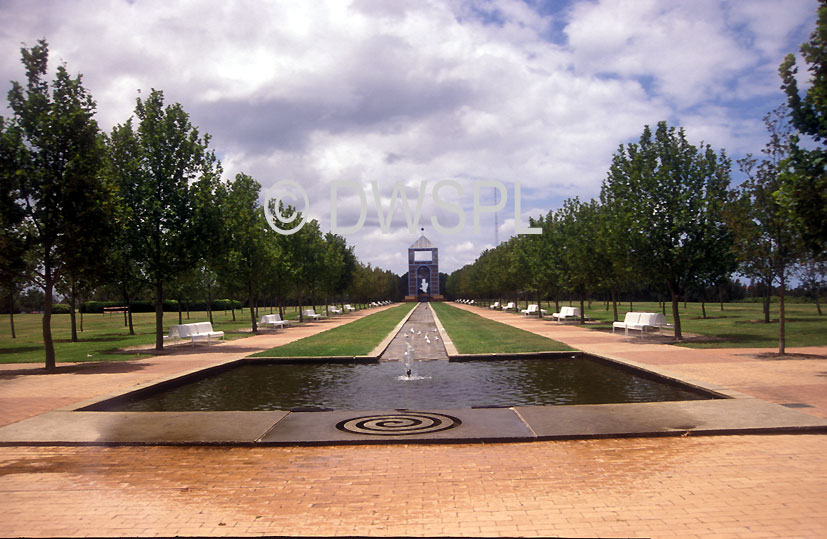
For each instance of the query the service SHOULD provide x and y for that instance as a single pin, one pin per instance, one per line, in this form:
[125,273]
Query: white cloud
[386,91]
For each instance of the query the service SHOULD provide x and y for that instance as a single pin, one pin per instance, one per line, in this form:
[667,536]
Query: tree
[13,266]
[804,188]
[672,196]
[66,201]
[769,240]
[339,265]
[161,178]
[250,251]
[619,266]
[305,250]
[813,275]
[578,230]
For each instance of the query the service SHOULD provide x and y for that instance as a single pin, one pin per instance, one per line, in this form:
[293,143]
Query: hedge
[170,305]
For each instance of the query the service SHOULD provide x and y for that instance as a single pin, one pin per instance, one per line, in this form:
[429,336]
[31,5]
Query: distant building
[423,271]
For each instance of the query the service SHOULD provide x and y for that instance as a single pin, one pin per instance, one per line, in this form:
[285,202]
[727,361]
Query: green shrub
[60,308]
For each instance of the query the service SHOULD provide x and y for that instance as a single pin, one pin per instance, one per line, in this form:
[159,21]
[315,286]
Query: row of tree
[667,217]
[144,211]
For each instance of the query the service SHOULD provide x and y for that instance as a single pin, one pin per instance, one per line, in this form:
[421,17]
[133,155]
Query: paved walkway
[723,486]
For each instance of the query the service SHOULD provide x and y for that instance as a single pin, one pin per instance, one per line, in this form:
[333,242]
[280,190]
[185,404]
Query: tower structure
[423,271]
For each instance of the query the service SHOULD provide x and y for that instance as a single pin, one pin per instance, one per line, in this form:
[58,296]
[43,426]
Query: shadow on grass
[774,321]
[92,339]
[20,349]
[92,367]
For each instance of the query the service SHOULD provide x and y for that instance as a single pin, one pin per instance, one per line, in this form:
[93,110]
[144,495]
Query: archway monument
[423,271]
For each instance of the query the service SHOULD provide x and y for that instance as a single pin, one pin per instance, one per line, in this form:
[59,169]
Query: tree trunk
[252,310]
[180,313]
[767,305]
[73,320]
[676,314]
[782,338]
[159,317]
[128,304]
[703,309]
[582,307]
[209,302]
[48,344]
[614,303]
[11,312]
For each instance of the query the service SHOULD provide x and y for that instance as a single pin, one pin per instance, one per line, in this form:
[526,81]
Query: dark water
[433,385]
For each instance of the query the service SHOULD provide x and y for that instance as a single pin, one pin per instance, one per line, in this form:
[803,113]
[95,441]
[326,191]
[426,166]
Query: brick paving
[723,486]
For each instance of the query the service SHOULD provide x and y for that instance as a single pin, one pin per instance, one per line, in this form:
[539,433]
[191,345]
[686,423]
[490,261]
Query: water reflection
[433,385]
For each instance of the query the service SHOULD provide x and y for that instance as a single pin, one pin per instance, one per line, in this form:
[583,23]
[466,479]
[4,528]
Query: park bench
[495,305]
[349,308]
[533,309]
[641,322]
[110,310]
[199,331]
[333,309]
[510,307]
[567,313]
[311,313]
[273,320]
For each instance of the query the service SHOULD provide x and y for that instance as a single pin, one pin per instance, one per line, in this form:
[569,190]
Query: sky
[463,106]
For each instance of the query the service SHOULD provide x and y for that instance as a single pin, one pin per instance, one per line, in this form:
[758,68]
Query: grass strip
[473,334]
[738,325]
[103,336]
[357,338]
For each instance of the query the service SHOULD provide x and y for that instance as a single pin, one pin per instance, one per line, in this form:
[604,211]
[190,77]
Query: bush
[170,305]
[60,308]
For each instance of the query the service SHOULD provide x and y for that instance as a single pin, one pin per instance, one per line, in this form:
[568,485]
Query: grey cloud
[388,105]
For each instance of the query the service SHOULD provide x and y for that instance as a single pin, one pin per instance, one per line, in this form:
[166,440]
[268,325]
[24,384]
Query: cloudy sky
[377,94]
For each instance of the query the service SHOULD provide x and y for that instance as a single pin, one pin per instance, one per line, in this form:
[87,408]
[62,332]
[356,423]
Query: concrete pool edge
[737,413]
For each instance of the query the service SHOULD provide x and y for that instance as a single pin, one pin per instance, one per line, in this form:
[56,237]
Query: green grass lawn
[103,334]
[357,338]
[473,334]
[739,325]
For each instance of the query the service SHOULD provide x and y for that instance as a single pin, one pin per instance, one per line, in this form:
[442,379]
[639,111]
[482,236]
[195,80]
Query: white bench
[495,306]
[566,313]
[510,307]
[200,331]
[349,308]
[273,320]
[533,309]
[311,313]
[333,309]
[641,322]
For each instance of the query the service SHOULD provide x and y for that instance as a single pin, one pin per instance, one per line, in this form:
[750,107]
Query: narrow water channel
[421,332]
